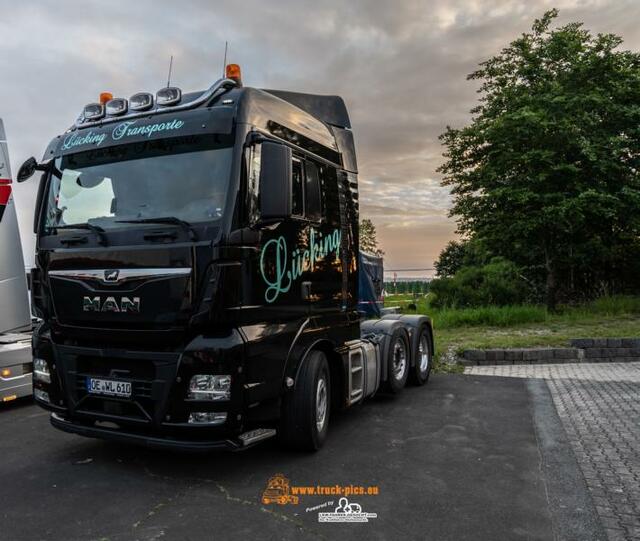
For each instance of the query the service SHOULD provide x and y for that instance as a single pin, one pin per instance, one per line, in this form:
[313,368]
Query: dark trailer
[197,272]
[370,284]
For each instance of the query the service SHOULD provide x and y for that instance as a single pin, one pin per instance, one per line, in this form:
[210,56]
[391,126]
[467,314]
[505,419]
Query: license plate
[109,387]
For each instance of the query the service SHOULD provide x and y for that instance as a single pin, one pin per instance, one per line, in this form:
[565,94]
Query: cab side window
[330,196]
[297,189]
[313,206]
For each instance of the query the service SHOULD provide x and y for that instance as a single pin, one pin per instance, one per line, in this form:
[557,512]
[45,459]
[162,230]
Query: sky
[400,65]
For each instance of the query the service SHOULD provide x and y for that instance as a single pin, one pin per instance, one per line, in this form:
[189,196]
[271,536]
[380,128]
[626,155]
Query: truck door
[283,261]
[325,236]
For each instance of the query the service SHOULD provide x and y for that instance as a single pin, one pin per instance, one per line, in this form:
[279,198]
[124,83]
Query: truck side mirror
[275,181]
[27,169]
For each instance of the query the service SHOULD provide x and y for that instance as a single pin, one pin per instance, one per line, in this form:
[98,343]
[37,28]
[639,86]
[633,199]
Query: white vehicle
[15,318]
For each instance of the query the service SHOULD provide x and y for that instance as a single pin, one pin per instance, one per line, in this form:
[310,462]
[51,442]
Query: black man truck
[197,272]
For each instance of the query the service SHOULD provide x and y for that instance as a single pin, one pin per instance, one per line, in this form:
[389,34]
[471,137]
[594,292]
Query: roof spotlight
[116,106]
[93,111]
[141,101]
[168,96]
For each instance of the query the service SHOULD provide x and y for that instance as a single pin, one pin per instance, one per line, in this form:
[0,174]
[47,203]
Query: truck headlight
[210,387]
[207,417]
[41,370]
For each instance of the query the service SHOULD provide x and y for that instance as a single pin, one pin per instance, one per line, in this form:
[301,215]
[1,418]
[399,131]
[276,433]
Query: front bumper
[157,413]
[154,442]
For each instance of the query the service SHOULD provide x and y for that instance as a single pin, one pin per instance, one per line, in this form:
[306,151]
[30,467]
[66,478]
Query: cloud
[400,66]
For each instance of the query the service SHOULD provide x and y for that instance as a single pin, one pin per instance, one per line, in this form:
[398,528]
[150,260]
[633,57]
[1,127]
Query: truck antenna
[169,77]
[224,62]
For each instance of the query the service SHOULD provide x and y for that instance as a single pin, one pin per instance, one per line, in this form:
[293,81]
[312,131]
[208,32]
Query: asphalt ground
[466,457]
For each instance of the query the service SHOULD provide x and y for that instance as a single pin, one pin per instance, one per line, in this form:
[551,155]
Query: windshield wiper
[90,227]
[171,220]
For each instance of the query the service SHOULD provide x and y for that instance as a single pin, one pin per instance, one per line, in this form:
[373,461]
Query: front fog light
[207,417]
[41,395]
[210,387]
[41,370]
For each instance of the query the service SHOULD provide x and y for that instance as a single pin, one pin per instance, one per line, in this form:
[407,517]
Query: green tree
[458,254]
[546,173]
[368,238]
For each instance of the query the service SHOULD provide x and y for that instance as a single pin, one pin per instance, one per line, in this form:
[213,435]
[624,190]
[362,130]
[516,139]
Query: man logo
[110,304]
[111,275]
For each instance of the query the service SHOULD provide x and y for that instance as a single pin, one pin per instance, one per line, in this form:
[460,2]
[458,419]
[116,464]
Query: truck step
[254,436]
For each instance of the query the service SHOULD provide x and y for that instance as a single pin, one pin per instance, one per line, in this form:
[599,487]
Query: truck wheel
[305,413]
[398,361]
[423,358]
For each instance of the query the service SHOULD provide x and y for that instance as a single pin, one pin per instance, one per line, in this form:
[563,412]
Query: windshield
[185,178]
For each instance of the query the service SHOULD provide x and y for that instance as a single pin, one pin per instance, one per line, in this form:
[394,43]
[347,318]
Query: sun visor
[171,125]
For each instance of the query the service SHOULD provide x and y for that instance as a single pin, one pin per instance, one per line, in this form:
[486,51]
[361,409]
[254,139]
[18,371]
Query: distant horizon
[388,279]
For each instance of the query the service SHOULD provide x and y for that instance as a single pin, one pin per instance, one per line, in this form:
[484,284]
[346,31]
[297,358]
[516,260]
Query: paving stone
[474,354]
[494,355]
[582,343]
[513,355]
[565,353]
[599,406]
[532,354]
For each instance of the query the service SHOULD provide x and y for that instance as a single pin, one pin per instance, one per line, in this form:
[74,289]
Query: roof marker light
[93,111]
[105,97]
[232,71]
[168,96]
[141,101]
[116,106]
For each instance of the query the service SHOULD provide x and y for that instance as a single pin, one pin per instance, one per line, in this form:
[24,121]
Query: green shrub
[495,284]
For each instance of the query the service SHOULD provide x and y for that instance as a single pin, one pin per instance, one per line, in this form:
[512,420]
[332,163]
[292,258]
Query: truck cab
[196,269]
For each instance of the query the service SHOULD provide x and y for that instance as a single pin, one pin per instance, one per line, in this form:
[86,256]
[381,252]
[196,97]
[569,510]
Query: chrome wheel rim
[399,359]
[321,404]
[423,353]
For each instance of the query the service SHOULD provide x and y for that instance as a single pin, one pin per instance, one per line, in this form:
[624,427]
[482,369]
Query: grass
[524,326]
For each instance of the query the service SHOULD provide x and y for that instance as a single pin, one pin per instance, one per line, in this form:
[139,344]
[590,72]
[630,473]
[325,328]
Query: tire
[422,356]
[398,360]
[305,413]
